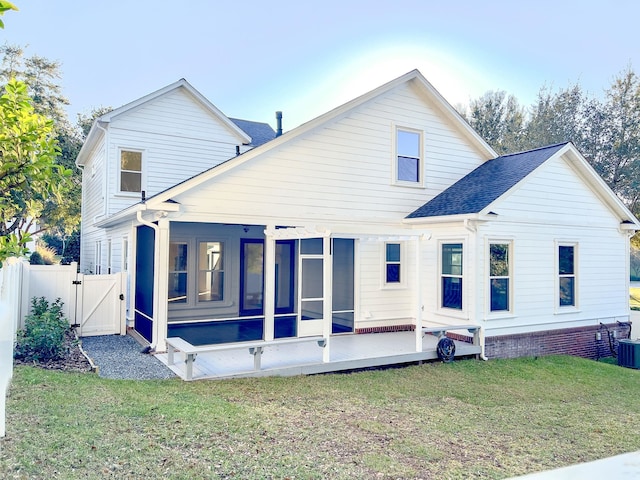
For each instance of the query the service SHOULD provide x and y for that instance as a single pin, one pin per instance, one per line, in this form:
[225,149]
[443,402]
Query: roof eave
[460,218]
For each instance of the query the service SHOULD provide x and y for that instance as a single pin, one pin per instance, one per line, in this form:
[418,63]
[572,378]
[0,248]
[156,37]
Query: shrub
[36,259]
[48,254]
[43,336]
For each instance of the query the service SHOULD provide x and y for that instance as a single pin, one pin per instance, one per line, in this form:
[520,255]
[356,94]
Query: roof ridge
[535,149]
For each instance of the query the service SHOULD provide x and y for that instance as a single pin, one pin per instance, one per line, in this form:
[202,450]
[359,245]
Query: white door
[101,305]
[310,287]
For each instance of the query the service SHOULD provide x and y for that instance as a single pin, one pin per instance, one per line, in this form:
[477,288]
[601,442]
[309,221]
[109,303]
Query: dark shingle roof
[485,184]
[259,132]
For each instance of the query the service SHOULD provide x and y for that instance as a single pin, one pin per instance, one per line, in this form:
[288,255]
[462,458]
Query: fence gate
[100,304]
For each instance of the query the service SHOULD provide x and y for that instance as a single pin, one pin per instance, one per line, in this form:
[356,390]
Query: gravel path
[121,357]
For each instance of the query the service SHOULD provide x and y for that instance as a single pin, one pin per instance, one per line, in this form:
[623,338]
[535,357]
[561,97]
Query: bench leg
[189,361]
[170,351]
[257,357]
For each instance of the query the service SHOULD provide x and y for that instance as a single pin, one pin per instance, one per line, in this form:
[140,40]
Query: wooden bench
[441,330]
[256,349]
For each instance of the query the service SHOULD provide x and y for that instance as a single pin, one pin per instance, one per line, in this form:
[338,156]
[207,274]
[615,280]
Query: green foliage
[29,174]
[36,259]
[5,6]
[13,245]
[66,246]
[58,214]
[607,132]
[43,336]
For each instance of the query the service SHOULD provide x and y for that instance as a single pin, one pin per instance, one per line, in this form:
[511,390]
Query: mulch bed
[73,361]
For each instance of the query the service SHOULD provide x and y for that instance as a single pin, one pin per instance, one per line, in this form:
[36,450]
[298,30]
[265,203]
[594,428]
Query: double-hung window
[500,276]
[451,276]
[392,264]
[567,275]
[130,171]
[408,158]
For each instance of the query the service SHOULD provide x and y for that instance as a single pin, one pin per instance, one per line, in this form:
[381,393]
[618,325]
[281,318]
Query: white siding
[179,139]
[555,205]
[340,172]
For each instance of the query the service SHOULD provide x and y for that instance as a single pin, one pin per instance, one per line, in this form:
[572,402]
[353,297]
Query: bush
[43,336]
[36,259]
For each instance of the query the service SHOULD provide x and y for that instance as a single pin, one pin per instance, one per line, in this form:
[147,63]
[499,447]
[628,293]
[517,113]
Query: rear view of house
[386,214]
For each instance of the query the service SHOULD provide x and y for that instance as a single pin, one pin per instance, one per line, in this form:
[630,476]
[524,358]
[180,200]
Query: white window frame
[225,281]
[448,311]
[143,176]
[510,295]
[576,277]
[403,266]
[421,162]
[193,270]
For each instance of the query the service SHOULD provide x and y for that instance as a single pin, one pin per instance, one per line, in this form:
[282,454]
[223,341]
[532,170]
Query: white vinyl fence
[94,304]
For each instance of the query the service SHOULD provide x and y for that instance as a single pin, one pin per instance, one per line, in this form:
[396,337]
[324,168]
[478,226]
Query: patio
[347,352]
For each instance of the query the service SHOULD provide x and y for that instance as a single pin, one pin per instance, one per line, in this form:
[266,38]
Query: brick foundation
[580,342]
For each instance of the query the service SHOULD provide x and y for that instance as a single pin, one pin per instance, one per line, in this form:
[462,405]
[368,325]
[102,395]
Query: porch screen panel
[312,289]
[252,286]
[145,245]
[343,285]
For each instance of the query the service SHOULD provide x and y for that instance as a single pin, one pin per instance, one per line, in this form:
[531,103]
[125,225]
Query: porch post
[161,287]
[418,297]
[269,283]
[327,288]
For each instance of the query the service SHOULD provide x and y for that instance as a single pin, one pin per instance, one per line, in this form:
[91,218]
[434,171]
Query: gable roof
[478,189]
[99,124]
[414,77]
[258,131]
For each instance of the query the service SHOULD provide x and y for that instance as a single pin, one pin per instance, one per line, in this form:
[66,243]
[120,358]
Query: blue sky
[251,58]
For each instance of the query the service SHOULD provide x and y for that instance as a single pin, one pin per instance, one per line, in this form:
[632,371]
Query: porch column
[161,284]
[269,283]
[418,305]
[327,288]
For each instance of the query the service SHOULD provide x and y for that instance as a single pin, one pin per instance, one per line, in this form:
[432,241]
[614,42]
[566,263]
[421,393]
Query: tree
[4,7]
[615,127]
[29,174]
[40,75]
[499,119]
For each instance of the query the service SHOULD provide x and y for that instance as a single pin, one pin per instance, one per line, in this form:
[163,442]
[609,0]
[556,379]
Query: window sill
[128,195]
[566,310]
[399,183]
[390,286]
[500,316]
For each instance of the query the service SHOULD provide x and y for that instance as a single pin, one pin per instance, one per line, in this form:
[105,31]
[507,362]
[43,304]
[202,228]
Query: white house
[388,213]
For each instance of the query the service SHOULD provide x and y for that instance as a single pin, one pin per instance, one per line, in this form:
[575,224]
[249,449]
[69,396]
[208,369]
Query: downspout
[156,264]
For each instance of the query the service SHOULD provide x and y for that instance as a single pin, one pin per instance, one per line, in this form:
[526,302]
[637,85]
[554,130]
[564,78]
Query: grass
[467,419]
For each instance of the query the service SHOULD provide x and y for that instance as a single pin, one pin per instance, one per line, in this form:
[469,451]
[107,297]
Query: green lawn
[468,419]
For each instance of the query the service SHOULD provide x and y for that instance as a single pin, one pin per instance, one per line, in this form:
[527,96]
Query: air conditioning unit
[629,353]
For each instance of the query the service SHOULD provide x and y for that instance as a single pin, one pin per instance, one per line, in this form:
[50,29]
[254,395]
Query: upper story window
[130,171]
[566,275]
[451,287]
[392,264]
[408,158]
[500,276]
